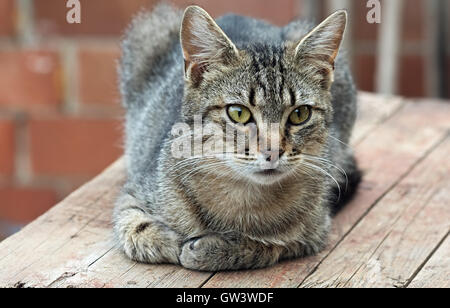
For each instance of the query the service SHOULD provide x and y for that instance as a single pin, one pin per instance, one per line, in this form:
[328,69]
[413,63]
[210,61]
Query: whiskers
[312,162]
[340,141]
[208,164]
[238,168]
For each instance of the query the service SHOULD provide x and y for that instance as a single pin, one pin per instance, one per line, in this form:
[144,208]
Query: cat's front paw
[206,253]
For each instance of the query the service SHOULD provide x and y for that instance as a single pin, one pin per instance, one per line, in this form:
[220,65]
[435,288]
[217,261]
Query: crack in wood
[61,278]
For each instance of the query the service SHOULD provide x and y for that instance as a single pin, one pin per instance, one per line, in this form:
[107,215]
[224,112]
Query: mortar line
[25,23]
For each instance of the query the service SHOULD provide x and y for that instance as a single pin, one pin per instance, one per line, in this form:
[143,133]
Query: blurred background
[59,105]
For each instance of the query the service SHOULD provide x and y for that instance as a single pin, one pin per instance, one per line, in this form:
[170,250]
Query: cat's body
[217,220]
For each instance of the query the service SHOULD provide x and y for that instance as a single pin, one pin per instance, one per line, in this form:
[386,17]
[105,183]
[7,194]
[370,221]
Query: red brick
[362,30]
[411,76]
[98,17]
[412,25]
[22,205]
[7,13]
[364,67]
[279,12]
[73,146]
[413,20]
[30,79]
[7,145]
[98,76]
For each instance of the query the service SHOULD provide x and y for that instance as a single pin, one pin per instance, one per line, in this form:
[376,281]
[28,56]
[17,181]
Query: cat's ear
[320,47]
[203,43]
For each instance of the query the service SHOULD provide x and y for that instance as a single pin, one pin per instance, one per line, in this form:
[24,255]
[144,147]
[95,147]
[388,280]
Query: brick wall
[59,104]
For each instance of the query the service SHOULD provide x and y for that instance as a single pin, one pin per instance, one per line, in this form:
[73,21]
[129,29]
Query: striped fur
[212,213]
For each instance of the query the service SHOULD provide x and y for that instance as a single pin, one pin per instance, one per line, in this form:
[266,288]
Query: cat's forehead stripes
[269,81]
[251,96]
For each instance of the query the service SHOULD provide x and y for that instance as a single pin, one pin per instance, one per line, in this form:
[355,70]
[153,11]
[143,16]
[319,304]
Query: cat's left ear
[321,46]
[203,43]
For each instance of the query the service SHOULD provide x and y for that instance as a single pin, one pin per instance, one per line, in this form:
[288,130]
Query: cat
[226,212]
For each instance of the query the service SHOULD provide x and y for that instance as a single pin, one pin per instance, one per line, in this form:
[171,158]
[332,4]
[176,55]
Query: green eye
[300,115]
[239,114]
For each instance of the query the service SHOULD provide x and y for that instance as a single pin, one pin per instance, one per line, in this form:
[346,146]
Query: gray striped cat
[225,211]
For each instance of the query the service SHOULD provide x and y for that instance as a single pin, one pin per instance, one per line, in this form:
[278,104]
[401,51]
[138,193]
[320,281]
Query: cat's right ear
[203,44]
[319,48]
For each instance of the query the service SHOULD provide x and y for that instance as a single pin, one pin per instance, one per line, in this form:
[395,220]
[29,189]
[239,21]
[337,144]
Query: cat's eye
[239,114]
[300,115]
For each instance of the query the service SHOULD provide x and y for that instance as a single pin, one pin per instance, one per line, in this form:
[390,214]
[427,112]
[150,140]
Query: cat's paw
[206,253]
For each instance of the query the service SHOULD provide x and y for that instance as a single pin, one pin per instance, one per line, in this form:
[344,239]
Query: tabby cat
[223,212]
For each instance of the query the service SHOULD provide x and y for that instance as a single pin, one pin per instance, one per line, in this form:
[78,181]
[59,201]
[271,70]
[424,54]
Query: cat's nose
[272,156]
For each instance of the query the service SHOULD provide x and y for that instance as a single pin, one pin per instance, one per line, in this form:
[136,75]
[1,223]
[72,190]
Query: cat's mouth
[268,172]
[268,176]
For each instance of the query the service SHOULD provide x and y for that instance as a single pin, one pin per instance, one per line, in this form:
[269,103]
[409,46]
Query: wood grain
[397,236]
[373,110]
[115,272]
[66,239]
[399,145]
[386,155]
[72,246]
[436,272]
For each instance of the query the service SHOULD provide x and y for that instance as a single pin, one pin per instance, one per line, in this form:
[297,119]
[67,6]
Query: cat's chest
[236,196]
[256,210]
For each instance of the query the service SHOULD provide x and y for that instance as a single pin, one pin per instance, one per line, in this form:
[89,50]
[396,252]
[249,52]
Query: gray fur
[218,221]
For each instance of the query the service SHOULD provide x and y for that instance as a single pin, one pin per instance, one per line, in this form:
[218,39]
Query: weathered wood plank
[79,249]
[385,156]
[390,243]
[436,272]
[68,237]
[116,272]
[71,245]
[373,110]
[77,209]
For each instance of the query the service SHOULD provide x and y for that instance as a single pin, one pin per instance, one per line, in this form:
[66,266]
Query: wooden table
[393,234]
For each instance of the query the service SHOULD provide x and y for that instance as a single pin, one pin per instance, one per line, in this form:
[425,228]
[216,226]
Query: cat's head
[286,85]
